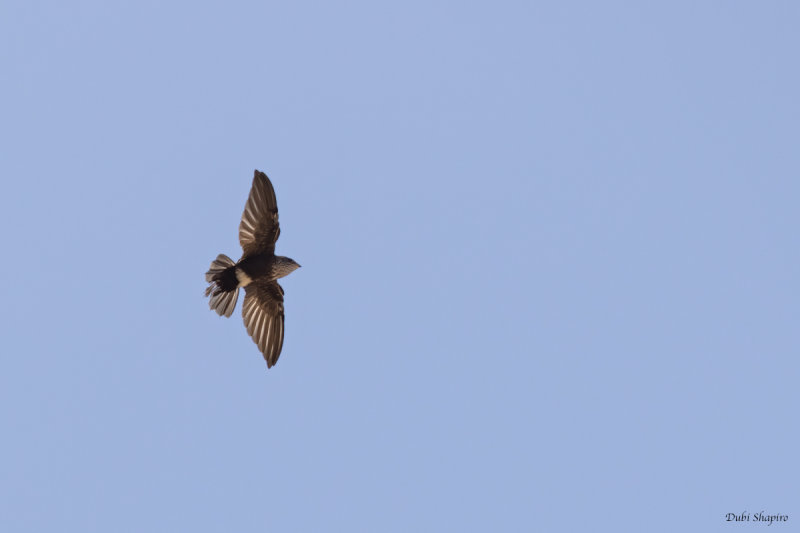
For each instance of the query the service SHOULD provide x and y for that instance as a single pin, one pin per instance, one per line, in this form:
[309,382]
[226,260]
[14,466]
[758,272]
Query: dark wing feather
[263,317]
[259,228]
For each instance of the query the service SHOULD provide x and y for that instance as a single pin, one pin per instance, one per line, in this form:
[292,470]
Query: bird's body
[263,266]
[256,271]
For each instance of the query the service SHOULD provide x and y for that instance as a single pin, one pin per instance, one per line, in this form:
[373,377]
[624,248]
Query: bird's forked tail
[223,285]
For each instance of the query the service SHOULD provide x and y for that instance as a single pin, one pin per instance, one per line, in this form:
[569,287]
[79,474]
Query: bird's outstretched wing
[263,317]
[259,228]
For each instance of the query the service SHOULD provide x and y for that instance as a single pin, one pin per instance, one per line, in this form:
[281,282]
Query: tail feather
[224,302]
[218,265]
[223,287]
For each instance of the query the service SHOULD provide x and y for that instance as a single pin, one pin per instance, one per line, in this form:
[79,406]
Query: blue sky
[549,251]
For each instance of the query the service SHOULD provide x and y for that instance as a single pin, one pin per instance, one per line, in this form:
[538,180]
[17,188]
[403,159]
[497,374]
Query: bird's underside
[256,272]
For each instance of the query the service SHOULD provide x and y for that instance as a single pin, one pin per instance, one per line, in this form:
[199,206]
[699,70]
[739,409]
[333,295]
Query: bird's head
[293,265]
[285,266]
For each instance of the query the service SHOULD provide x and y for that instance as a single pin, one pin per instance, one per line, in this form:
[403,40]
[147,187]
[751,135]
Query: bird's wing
[259,228]
[263,317]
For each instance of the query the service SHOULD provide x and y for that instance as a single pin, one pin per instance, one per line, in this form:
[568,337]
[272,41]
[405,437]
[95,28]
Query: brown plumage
[257,271]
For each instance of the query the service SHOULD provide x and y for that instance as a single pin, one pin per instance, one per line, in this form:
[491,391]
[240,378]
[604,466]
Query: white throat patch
[243,279]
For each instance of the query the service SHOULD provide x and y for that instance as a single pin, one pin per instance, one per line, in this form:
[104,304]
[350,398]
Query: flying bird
[257,272]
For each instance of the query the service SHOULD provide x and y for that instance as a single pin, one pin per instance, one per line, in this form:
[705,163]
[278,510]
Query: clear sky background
[549,249]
